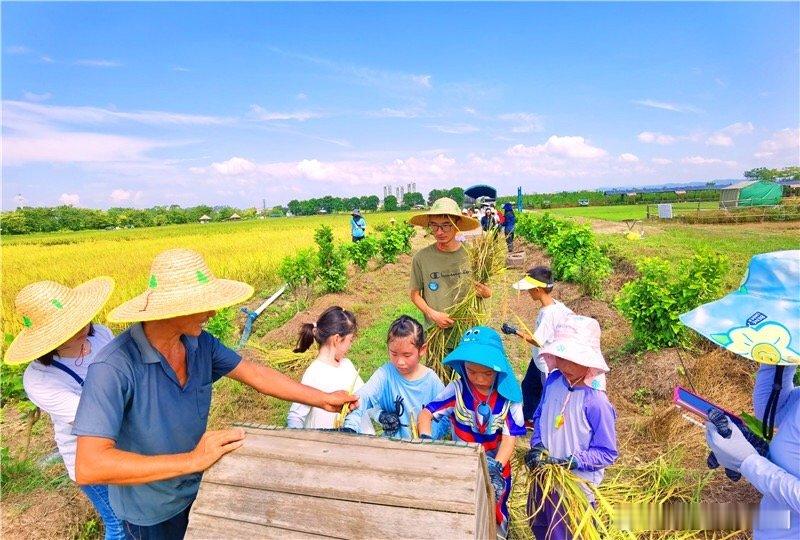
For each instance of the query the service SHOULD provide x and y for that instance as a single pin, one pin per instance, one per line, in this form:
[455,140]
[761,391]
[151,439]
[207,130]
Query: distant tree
[277,211]
[413,198]
[390,203]
[457,194]
[762,173]
[437,194]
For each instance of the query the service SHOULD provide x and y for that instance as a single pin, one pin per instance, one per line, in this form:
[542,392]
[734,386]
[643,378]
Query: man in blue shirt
[358,225]
[141,422]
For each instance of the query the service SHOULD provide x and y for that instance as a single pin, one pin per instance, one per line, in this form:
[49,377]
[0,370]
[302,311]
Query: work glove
[568,463]
[390,421]
[535,456]
[425,437]
[496,477]
[727,442]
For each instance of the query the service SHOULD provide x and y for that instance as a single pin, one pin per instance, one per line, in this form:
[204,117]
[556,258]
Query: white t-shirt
[57,393]
[328,378]
[547,320]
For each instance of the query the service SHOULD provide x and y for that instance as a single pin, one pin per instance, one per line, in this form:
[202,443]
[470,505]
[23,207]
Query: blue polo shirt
[132,395]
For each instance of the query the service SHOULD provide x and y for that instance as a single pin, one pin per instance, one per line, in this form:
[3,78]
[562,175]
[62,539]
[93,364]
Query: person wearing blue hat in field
[761,321]
[484,406]
[358,226]
[510,224]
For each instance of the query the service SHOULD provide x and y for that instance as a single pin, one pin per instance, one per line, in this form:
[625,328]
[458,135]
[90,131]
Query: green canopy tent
[750,193]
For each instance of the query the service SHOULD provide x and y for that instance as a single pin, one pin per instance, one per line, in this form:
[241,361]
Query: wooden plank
[203,527]
[329,517]
[394,488]
[438,447]
[484,504]
[403,457]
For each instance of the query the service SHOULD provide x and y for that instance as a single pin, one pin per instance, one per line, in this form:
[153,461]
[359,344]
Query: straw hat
[52,313]
[445,207]
[180,284]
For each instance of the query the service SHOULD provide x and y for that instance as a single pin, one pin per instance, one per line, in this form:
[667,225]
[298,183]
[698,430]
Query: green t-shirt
[438,276]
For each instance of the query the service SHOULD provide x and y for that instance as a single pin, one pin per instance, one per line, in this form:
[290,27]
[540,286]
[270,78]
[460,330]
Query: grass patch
[623,212]
[25,475]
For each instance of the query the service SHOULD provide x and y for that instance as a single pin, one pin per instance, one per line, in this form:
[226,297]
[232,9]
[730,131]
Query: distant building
[234,217]
[750,193]
[204,219]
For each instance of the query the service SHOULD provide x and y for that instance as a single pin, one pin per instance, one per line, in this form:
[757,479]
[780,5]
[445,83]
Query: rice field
[248,251]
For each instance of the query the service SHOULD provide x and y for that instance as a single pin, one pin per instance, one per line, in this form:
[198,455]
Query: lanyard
[68,371]
[559,420]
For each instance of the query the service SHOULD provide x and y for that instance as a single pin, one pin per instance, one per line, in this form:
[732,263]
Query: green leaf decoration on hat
[201,277]
[26,321]
[56,302]
[153,281]
[722,339]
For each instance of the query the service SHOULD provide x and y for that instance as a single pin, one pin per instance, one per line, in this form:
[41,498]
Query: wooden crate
[289,483]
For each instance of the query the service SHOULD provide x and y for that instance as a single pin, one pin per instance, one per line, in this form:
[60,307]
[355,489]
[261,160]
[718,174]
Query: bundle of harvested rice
[487,259]
[338,422]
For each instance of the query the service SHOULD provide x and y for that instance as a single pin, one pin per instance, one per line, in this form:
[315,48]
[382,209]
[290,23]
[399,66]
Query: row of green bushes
[326,265]
[576,255]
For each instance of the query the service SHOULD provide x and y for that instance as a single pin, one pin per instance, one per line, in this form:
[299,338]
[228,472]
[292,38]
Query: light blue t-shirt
[777,476]
[357,226]
[133,396]
[383,389]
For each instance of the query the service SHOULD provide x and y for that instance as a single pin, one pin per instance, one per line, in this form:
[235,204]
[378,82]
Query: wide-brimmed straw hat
[52,313]
[446,207]
[180,283]
[577,339]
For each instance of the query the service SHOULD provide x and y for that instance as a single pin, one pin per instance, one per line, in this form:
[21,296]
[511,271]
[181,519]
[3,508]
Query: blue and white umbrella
[761,319]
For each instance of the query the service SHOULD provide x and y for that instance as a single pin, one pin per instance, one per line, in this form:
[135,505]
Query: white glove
[730,452]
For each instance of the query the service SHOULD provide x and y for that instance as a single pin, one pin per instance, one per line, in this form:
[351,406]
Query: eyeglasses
[444,227]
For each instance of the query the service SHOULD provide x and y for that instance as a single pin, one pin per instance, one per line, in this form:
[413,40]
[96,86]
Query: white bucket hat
[180,284]
[577,339]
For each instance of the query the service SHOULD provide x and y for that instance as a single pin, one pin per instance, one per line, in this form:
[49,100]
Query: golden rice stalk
[284,360]
[412,425]
[487,259]
[338,422]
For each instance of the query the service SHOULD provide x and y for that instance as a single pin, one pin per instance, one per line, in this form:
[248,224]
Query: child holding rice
[574,424]
[397,390]
[484,406]
[331,370]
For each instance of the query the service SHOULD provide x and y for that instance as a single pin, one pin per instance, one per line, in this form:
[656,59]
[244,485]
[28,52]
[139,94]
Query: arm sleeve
[545,329]
[296,419]
[106,394]
[416,283]
[602,450]
[536,438]
[771,480]
[59,402]
[223,359]
[763,388]
[369,396]
[514,425]
[442,406]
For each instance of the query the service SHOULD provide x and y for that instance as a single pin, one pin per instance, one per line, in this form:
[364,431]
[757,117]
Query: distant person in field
[399,389]
[575,423]
[59,336]
[141,421]
[438,271]
[358,226]
[487,220]
[509,224]
[330,371]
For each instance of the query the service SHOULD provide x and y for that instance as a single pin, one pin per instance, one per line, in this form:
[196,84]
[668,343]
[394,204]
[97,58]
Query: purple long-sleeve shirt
[588,432]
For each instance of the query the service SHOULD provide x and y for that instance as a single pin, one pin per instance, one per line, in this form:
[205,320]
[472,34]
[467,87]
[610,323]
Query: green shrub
[331,261]
[664,290]
[300,270]
[223,325]
[19,475]
[395,241]
[11,388]
[361,252]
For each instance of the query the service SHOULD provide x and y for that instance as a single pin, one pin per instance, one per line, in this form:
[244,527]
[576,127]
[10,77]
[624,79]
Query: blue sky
[156,103]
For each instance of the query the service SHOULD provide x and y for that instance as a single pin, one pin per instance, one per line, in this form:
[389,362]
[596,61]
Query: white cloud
[667,106]
[234,166]
[422,80]
[785,139]
[719,139]
[724,137]
[388,112]
[524,122]
[470,111]
[700,160]
[720,82]
[568,146]
[120,195]
[70,199]
[661,161]
[32,96]
[46,59]
[628,158]
[97,62]
[52,146]
[17,50]
[457,129]
[180,69]
[262,114]
[301,97]
[657,138]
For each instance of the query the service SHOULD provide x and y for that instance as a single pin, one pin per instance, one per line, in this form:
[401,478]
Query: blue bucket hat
[761,319]
[482,345]
[508,206]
